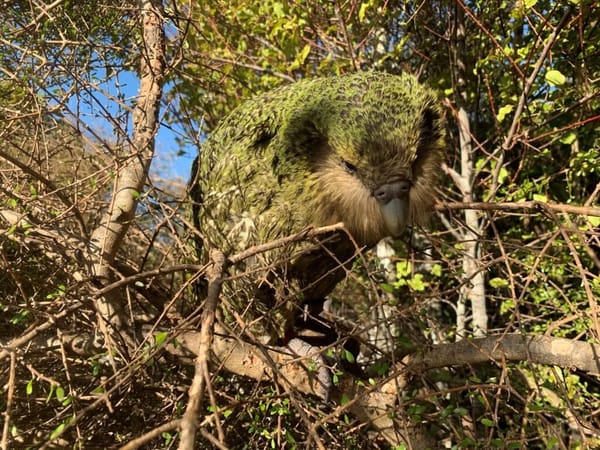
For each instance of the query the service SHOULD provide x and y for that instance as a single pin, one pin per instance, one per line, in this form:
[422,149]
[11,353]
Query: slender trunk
[132,173]
[473,289]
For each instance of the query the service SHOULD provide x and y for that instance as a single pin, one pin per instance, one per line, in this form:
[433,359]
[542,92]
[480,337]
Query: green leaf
[348,356]
[278,10]
[498,283]
[403,269]
[540,198]
[29,387]
[529,3]
[57,431]
[568,139]
[503,112]
[594,221]
[387,287]
[507,305]
[303,54]
[60,393]
[488,422]
[417,283]
[555,78]
[503,175]
[362,11]
[160,337]
[460,411]
[335,379]
[436,270]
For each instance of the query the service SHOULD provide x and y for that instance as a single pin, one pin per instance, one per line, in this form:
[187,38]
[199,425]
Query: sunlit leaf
[29,387]
[569,138]
[498,283]
[555,78]
[503,112]
[57,431]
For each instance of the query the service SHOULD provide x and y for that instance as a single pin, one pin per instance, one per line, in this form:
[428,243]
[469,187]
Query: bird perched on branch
[363,149]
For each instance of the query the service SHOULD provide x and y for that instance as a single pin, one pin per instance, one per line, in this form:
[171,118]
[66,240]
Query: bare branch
[132,174]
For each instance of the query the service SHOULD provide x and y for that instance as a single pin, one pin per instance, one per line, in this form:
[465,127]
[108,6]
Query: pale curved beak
[393,200]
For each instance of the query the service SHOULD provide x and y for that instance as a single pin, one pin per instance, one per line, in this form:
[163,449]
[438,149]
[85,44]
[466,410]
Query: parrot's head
[376,156]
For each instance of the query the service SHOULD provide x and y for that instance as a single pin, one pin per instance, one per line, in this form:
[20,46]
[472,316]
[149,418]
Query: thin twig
[9,401]
[152,434]
[201,374]
[531,205]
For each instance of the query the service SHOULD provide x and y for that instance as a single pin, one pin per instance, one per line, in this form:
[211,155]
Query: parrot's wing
[243,136]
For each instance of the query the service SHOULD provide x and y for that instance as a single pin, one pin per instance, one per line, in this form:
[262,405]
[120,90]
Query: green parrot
[363,149]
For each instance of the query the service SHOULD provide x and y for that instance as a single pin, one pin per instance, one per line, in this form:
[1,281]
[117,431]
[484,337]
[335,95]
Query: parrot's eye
[349,167]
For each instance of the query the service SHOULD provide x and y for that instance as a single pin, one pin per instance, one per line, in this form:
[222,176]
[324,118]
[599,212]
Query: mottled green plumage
[316,153]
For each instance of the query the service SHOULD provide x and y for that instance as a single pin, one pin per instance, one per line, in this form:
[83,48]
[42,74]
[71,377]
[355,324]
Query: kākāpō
[364,149]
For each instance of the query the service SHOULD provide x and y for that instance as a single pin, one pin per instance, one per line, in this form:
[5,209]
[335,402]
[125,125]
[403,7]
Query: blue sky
[94,108]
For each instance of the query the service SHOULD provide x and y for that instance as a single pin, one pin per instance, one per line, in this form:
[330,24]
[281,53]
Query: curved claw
[315,366]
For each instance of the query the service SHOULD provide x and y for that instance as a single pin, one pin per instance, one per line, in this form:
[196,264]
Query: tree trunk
[132,172]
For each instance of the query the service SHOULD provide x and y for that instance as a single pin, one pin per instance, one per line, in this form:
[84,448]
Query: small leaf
[345,399]
[568,139]
[417,283]
[507,306]
[348,356]
[503,175]
[488,422]
[595,221]
[460,411]
[362,11]
[57,431]
[503,112]
[436,270]
[387,287]
[530,3]
[160,337]
[29,387]
[498,283]
[278,10]
[555,78]
[540,198]
[60,393]
[303,54]
[403,269]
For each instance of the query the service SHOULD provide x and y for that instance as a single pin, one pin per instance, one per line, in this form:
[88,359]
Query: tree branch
[132,175]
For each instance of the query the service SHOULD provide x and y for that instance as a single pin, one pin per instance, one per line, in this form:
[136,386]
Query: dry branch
[517,206]
[201,378]
[375,403]
[132,174]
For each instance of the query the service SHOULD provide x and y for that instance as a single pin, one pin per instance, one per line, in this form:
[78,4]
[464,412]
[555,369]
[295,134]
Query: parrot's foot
[314,366]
